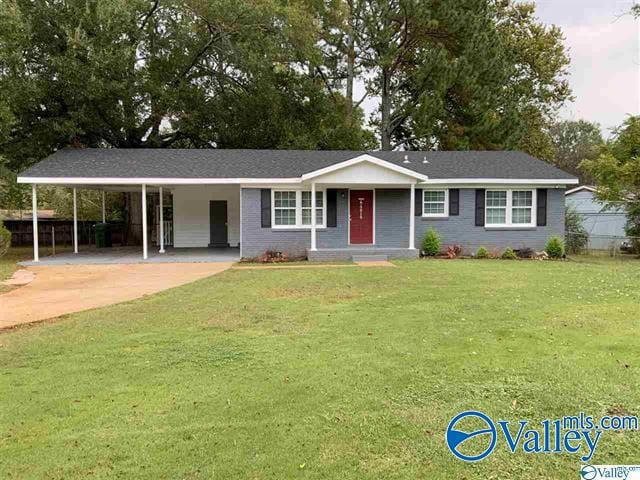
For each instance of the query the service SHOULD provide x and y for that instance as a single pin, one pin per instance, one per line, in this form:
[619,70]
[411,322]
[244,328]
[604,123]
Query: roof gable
[356,168]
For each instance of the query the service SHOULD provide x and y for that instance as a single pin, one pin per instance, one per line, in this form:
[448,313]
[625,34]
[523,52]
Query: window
[521,207]
[284,208]
[435,203]
[292,208]
[506,208]
[306,208]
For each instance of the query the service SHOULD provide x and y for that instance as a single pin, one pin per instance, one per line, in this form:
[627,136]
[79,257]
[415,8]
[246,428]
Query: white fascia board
[364,158]
[500,181]
[154,181]
[579,189]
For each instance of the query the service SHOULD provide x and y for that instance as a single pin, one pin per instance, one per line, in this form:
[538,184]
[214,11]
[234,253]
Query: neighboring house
[604,225]
[364,203]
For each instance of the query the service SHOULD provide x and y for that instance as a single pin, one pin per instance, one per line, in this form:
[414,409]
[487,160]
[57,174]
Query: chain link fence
[599,244]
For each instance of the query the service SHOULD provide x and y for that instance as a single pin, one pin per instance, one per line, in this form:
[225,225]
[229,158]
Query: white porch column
[313,216]
[104,208]
[161,224]
[75,220]
[144,222]
[34,199]
[412,218]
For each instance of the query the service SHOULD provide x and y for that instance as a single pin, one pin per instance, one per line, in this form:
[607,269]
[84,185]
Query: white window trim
[298,225]
[509,213]
[446,203]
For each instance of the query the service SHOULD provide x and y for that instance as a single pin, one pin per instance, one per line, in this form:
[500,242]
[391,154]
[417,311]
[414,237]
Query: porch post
[75,220]
[144,222]
[412,217]
[161,224]
[34,199]
[104,208]
[313,216]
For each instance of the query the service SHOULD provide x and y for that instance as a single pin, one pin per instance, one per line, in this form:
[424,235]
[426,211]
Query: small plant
[577,236]
[509,254]
[431,243]
[554,247]
[5,239]
[454,251]
[525,252]
[482,252]
[271,256]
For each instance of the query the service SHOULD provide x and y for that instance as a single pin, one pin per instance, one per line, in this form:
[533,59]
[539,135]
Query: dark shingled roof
[212,163]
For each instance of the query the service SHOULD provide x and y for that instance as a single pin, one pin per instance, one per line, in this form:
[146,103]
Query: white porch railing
[168,232]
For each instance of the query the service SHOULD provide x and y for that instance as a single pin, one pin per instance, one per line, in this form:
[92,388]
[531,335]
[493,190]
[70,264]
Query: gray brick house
[325,204]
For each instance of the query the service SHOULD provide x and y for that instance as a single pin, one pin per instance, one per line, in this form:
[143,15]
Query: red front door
[361,216]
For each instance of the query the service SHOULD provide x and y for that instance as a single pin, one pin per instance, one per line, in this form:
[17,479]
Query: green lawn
[342,373]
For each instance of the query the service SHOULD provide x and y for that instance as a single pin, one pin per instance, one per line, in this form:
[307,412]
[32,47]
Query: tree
[453,74]
[176,73]
[573,142]
[617,173]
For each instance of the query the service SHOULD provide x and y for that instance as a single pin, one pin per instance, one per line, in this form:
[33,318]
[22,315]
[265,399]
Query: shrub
[525,252]
[509,254]
[554,247]
[482,253]
[431,243]
[577,237]
[454,251]
[5,239]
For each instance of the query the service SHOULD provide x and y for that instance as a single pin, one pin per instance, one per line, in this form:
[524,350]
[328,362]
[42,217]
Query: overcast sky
[604,46]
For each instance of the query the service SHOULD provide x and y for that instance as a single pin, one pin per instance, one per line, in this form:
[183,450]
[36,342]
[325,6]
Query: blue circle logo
[588,472]
[456,436]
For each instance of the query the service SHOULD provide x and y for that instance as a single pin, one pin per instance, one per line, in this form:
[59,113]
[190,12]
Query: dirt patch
[59,290]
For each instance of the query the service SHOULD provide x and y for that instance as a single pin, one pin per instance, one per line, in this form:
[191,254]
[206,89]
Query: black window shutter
[454,201]
[265,207]
[332,210]
[418,202]
[541,213]
[479,207]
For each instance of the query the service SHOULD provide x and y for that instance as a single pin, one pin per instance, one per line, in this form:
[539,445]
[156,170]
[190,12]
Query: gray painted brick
[461,229]
[392,227]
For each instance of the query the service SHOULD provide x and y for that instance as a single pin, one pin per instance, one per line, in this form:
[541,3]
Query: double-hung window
[435,203]
[292,208]
[510,208]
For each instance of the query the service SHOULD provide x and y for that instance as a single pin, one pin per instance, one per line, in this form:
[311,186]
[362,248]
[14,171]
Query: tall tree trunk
[133,214]
[385,110]
[351,60]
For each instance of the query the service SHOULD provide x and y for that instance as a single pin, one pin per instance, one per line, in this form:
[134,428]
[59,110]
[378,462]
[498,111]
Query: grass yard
[342,373]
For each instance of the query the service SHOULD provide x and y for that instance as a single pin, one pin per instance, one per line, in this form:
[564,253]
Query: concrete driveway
[58,290]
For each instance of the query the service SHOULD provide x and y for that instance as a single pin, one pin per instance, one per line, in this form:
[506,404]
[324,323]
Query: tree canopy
[617,173]
[450,74]
[573,142]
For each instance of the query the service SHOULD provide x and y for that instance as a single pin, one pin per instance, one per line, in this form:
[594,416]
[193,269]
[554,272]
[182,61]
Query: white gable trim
[500,181]
[364,158]
[150,180]
[579,189]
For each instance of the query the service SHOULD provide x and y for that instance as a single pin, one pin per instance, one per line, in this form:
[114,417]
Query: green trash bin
[103,235]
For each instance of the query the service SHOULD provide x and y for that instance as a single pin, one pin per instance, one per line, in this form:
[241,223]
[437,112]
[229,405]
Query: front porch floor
[348,253]
[132,255]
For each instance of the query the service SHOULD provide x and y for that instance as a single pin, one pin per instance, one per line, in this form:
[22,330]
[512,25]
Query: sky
[604,46]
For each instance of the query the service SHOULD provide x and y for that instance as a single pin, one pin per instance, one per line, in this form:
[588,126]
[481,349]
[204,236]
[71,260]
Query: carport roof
[114,163]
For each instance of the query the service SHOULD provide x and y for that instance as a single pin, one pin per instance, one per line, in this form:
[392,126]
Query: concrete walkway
[59,290]
[133,255]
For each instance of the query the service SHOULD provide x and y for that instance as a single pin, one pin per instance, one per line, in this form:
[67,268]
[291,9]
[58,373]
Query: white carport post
[313,217]
[144,221]
[104,208]
[75,220]
[161,223]
[34,199]
[412,218]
